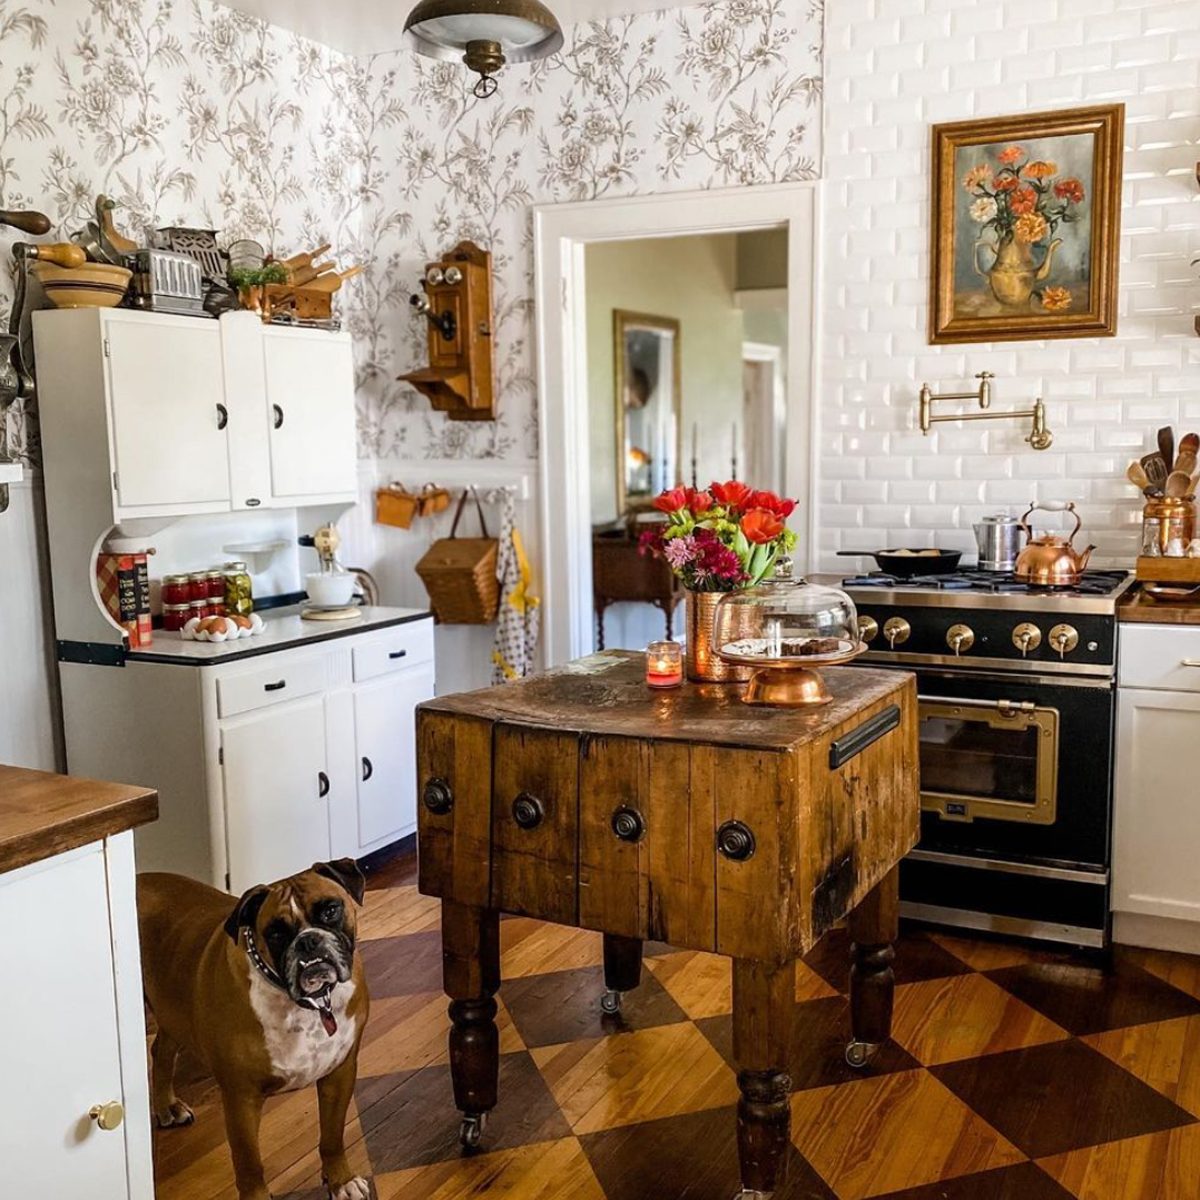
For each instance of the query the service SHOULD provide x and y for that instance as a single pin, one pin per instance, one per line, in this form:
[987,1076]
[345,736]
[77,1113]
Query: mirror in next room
[686,368]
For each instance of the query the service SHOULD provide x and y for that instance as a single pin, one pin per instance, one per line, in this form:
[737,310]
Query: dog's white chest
[300,1050]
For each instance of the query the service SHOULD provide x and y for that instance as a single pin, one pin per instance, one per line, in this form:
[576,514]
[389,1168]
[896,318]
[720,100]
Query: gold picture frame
[661,453]
[1026,226]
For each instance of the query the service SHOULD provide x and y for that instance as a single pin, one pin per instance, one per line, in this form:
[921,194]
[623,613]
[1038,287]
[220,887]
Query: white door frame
[560,233]
[766,352]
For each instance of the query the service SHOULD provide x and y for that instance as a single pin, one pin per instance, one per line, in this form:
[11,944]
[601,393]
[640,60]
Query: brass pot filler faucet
[1039,437]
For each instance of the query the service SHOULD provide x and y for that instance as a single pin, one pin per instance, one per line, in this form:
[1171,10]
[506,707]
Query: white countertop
[284,629]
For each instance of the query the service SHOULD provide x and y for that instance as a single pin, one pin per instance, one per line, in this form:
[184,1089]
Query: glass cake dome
[785,628]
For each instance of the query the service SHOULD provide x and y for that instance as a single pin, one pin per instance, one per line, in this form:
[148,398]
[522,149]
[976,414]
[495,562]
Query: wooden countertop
[1137,607]
[42,814]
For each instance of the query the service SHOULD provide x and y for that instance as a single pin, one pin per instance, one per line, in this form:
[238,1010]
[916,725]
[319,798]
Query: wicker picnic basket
[459,573]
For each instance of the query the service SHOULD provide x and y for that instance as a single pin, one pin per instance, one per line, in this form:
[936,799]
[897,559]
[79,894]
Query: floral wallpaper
[714,95]
[184,113]
[190,113]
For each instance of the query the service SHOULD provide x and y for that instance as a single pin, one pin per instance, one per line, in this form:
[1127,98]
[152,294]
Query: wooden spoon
[1185,461]
[1137,476]
[1178,485]
[1166,445]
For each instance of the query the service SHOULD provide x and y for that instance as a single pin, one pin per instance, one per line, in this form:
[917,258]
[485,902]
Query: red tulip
[760,525]
[698,502]
[733,493]
[673,500]
[772,503]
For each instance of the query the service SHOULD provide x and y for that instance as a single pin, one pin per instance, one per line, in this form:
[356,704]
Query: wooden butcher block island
[584,797]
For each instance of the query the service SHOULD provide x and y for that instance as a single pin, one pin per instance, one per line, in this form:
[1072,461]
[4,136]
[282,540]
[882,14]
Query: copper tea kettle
[1051,560]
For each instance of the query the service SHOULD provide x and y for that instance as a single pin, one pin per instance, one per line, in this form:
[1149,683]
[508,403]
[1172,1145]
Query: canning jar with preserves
[176,590]
[175,616]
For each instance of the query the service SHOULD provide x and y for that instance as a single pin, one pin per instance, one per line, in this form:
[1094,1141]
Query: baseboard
[1156,933]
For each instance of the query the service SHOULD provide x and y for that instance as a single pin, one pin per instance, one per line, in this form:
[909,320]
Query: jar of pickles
[1176,517]
[239,598]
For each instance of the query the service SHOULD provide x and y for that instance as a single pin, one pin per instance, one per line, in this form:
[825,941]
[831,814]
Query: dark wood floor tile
[409,1120]
[690,1157]
[565,1005]
[821,1032]
[918,957]
[400,966]
[1025,1181]
[1059,1096]
[1084,998]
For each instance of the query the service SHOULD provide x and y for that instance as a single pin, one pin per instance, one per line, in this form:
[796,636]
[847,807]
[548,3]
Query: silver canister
[999,540]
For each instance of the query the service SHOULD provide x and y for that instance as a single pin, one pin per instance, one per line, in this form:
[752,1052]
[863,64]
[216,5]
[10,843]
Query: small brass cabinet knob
[108,1116]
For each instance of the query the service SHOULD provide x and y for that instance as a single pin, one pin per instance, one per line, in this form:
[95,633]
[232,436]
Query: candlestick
[733,456]
[695,451]
[664,665]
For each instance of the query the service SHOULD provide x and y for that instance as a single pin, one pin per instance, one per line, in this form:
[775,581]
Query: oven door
[1016,767]
[989,758]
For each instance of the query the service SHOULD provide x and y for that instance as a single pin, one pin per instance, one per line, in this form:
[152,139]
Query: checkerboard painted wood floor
[1013,1074]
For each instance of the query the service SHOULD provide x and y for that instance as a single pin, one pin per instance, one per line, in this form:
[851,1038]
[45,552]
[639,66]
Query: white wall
[894,67]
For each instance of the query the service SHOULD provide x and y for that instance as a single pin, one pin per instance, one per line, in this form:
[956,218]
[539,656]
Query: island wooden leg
[873,927]
[622,969]
[764,1004]
[471,973]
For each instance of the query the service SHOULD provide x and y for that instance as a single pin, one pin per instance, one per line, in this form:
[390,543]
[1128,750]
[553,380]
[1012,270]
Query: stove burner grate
[972,579]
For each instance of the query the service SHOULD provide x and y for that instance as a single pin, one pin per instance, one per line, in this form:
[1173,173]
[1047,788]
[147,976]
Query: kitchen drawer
[272,683]
[1165,657]
[393,650]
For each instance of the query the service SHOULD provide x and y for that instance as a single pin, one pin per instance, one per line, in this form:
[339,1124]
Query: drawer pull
[735,841]
[277,686]
[527,811]
[222,416]
[437,797]
[367,769]
[627,824]
[397,653]
[871,730]
[1189,662]
[322,784]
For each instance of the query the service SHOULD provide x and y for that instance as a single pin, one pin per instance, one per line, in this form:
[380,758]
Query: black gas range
[1017,690]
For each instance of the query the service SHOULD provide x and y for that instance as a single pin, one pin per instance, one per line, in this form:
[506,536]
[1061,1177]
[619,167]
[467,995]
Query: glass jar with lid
[784,629]
[239,596]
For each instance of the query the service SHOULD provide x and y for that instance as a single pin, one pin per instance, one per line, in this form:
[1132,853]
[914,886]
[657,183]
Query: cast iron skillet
[943,562]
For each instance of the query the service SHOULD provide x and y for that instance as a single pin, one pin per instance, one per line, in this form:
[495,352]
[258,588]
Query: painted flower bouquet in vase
[719,540]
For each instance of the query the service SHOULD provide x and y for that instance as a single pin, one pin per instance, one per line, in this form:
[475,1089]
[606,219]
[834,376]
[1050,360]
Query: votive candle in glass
[664,664]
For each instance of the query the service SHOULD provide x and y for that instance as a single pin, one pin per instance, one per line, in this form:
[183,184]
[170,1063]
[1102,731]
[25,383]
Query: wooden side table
[583,797]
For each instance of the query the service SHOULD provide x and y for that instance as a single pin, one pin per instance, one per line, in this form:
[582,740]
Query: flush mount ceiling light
[485,34]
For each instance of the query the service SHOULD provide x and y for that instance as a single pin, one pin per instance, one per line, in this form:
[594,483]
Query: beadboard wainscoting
[893,68]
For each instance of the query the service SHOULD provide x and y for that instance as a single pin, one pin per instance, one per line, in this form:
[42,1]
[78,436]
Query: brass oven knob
[437,796]
[960,638]
[1026,637]
[1064,639]
[897,631]
[868,629]
[108,1116]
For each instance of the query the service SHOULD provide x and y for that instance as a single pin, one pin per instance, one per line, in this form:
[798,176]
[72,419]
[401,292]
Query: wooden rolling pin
[63,254]
[331,281]
[305,260]
[302,275]
[27,222]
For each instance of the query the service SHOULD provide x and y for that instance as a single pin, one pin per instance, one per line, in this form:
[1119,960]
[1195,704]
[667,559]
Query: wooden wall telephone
[457,304]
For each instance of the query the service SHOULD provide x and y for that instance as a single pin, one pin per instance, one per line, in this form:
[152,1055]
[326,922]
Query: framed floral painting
[1026,222]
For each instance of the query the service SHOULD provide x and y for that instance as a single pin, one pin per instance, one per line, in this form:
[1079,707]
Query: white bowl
[330,590]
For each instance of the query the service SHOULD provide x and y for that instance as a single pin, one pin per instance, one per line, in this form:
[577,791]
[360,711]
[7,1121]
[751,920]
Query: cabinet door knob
[528,811]
[628,824]
[367,769]
[437,797]
[322,784]
[222,416]
[735,841]
[277,415]
[108,1116]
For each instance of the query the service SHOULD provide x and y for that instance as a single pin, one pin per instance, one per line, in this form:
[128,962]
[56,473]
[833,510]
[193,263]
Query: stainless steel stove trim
[1023,666]
[1036,602]
[1099,878]
[1045,931]
[1095,682]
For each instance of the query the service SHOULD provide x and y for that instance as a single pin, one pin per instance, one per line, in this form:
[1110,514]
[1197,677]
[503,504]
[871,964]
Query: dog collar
[322,1005]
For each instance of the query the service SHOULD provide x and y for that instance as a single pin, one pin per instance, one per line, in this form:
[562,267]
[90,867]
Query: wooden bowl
[96,285]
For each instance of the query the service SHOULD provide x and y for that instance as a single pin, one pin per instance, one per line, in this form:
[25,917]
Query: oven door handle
[1007,706]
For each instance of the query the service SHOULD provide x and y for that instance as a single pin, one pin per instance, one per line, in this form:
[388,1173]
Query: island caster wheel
[859,1054]
[610,1002]
[471,1131]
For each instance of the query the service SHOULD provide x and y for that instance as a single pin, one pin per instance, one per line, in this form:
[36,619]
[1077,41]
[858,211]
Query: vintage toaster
[164,281]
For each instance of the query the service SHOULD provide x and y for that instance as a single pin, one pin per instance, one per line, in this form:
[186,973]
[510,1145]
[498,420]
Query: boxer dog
[268,993]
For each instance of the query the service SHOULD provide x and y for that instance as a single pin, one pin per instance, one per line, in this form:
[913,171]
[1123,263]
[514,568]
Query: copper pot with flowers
[721,539]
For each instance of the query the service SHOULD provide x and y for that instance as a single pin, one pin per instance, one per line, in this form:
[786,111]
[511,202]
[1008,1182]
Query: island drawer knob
[108,1116]
[438,797]
[735,841]
[627,824]
[527,811]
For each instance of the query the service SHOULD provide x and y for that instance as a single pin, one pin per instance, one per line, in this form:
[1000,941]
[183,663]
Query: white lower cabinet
[76,1035]
[1156,823]
[276,791]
